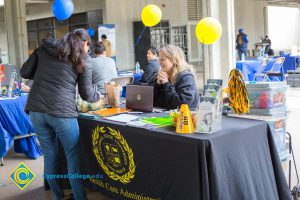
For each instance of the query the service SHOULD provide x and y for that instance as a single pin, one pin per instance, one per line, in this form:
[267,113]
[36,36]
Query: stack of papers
[125,118]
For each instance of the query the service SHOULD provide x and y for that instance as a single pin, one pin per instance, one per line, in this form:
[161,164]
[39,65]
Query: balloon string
[138,40]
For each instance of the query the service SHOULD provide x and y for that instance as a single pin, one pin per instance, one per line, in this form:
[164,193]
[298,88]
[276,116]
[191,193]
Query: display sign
[110,31]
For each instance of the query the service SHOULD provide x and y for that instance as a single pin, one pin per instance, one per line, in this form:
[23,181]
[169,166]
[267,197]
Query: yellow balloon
[208,30]
[151,15]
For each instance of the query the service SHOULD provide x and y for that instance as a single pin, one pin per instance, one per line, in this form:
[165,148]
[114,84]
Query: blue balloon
[62,9]
[91,32]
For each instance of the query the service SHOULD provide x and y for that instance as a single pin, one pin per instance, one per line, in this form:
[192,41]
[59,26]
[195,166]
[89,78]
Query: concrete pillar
[15,23]
[220,56]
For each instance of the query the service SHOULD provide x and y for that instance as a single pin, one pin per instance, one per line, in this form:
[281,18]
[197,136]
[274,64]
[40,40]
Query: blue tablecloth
[251,67]
[290,62]
[15,122]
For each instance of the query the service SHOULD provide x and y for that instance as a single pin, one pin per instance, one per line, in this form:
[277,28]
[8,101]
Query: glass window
[94,18]
[60,31]
[31,25]
[61,23]
[179,38]
[79,18]
[45,23]
[41,29]
[73,27]
[44,34]
[160,35]
[32,41]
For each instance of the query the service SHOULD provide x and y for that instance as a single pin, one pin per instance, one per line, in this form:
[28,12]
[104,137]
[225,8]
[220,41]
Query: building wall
[249,15]
[3,38]
[284,27]
[44,10]
[124,12]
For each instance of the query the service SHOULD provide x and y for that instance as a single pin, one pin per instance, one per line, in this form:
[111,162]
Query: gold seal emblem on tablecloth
[113,154]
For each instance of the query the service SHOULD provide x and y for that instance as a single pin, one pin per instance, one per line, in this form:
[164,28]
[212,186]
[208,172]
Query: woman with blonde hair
[175,83]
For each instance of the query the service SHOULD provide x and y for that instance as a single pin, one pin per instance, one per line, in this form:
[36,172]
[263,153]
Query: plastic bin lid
[284,155]
[272,111]
[270,118]
[264,85]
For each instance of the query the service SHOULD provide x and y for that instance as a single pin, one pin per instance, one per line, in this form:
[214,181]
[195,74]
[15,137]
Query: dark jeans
[49,129]
[242,50]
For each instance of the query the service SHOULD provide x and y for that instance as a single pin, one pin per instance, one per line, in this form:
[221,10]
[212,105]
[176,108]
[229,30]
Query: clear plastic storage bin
[267,95]
[285,157]
[277,125]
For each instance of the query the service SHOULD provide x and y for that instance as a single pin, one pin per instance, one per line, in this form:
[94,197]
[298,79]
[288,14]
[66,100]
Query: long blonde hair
[177,57]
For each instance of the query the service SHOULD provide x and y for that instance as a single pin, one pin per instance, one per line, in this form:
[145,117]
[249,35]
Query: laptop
[139,98]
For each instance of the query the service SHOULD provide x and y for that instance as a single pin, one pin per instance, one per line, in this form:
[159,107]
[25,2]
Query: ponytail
[71,49]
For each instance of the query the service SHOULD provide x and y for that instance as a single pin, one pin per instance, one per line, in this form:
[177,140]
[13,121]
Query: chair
[123,80]
[275,71]
[264,62]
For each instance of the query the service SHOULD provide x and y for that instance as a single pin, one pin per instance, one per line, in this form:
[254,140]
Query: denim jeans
[49,130]
[243,50]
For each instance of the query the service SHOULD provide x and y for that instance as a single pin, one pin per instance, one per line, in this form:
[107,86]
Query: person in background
[107,45]
[268,46]
[175,83]
[57,67]
[103,67]
[151,69]
[241,43]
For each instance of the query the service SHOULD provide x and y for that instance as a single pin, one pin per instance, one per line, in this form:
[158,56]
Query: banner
[110,31]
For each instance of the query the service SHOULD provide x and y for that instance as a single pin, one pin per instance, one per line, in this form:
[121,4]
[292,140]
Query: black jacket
[183,92]
[54,87]
[150,73]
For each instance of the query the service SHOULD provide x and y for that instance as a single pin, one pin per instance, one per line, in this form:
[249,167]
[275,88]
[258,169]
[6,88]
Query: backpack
[271,52]
[239,40]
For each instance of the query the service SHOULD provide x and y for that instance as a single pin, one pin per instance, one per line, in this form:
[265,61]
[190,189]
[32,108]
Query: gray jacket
[103,69]
[54,87]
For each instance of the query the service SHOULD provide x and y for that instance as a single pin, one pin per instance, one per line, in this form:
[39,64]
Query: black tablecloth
[238,162]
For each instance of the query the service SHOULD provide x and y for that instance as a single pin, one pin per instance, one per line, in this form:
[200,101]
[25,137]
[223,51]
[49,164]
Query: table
[290,62]
[15,123]
[254,66]
[238,162]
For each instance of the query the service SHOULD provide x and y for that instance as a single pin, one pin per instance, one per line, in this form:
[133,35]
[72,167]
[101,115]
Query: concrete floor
[35,191]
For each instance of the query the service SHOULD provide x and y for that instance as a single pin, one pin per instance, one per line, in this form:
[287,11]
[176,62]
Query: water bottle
[243,57]
[137,68]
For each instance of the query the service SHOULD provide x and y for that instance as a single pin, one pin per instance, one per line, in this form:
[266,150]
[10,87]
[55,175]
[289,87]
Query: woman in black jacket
[151,69]
[56,67]
[175,83]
